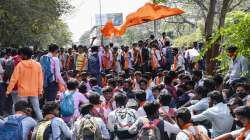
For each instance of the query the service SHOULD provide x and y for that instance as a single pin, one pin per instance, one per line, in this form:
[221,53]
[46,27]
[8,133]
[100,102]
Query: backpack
[93,64]
[45,62]
[89,129]
[44,130]
[67,105]
[198,136]
[123,120]
[150,130]
[12,129]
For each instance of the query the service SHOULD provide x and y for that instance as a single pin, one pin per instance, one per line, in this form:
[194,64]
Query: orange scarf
[104,81]
[126,63]
[243,133]
[154,61]
[175,62]
[106,60]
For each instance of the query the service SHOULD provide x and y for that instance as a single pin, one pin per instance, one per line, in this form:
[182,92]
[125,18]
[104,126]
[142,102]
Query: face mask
[242,95]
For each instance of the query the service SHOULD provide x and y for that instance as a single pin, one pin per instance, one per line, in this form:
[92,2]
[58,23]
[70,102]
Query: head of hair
[168,79]
[209,84]
[49,107]
[218,79]
[244,85]
[94,98]
[216,96]
[183,114]
[21,106]
[72,84]
[143,81]
[235,101]
[86,109]
[83,88]
[53,48]
[232,48]
[165,98]
[27,52]
[140,95]
[94,49]
[93,81]
[243,111]
[200,90]
[151,108]
[120,99]
[197,73]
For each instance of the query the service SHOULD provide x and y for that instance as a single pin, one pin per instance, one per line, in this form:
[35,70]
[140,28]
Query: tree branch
[201,4]
[236,5]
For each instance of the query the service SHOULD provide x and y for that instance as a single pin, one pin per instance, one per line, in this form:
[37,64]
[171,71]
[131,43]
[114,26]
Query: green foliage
[159,1]
[236,32]
[32,22]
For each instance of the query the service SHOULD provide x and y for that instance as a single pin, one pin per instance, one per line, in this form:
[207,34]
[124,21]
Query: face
[143,86]
[137,77]
[156,93]
[210,102]
[56,112]
[245,121]
[241,92]
[231,54]
[107,95]
[126,85]
[80,50]
[55,54]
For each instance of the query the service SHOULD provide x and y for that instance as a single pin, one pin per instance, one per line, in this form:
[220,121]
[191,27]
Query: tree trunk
[210,64]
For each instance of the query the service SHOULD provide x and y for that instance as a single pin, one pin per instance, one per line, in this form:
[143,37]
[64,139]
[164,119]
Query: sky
[82,17]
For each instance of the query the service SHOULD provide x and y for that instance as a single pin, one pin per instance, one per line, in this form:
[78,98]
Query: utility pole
[100,12]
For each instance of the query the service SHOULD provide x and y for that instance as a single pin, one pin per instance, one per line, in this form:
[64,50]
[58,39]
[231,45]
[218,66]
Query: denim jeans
[34,101]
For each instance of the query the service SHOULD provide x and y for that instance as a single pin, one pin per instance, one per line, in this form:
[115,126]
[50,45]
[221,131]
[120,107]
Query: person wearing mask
[189,131]
[238,68]
[60,130]
[28,76]
[218,114]
[243,115]
[120,119]
[52,73]
[152,115]
[22,112]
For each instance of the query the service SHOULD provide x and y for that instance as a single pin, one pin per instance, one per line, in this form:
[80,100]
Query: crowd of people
[147,91]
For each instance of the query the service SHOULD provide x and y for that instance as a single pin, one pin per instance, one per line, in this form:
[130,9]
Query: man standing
[51,71]
[238,69]
[94,64]
[29,79]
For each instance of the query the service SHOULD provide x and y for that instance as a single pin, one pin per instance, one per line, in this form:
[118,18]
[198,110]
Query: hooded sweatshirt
[28,76]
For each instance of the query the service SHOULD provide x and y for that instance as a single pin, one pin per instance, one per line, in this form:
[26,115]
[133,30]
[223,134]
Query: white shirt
[200,106]
[141,112]
[183,136]
[220,117]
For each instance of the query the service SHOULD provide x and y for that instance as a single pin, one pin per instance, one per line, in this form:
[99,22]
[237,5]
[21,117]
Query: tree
[22,22]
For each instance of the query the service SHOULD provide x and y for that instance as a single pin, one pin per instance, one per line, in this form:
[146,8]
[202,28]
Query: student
[107,104]
[77,98]
[59,128]
[22,111]
[189,131]
[165,100]
[201,97]
[218,114]
[82,124]
[52,73]
[239,67]
[81,59]
[140,97]
[144,86]
[94,64]
[28,76]
[166,129]
[121,119]
[156,91]
[94,99]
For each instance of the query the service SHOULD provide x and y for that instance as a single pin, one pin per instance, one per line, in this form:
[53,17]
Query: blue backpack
[12,129]
[67,105]
[45,62]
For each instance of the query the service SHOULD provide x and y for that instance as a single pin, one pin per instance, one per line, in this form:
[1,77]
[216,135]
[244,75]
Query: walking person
[29,79]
